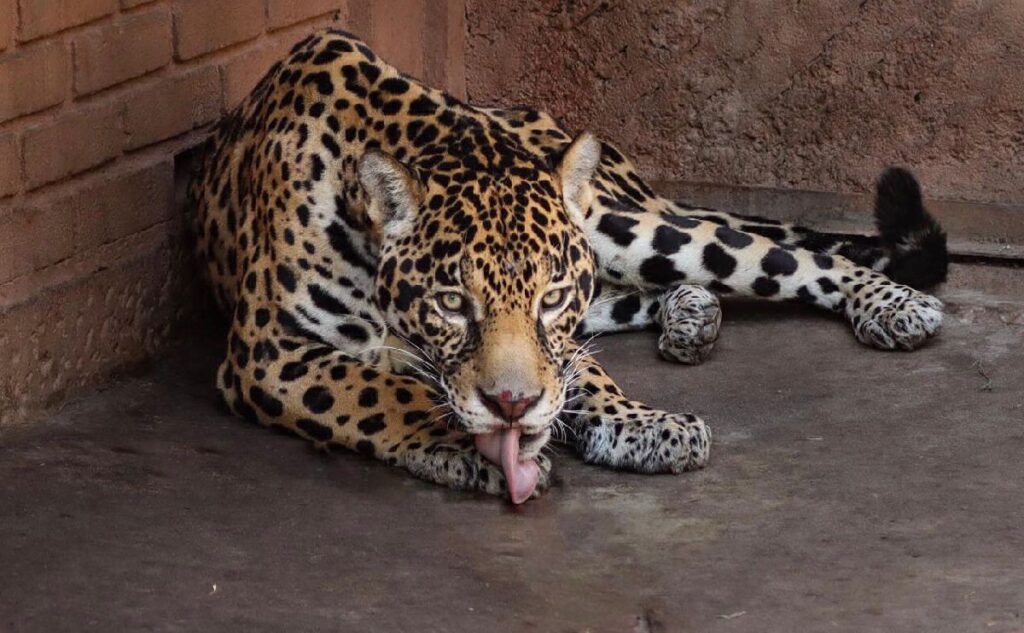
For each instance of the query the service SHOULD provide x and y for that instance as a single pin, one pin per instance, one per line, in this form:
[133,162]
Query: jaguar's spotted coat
[405,271]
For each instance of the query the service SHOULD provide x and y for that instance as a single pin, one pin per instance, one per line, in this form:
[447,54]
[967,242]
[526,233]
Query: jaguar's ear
[575,171]
[394,195]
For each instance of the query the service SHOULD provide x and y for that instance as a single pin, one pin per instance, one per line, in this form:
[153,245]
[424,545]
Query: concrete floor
[849,490]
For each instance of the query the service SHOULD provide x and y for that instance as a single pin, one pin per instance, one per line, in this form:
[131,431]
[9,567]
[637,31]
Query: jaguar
[416,278]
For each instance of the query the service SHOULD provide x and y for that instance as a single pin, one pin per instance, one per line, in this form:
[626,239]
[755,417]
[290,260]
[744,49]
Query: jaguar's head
[486,273]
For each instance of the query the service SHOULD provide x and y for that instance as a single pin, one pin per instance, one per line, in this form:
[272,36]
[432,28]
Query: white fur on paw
[667,444]
[690,318]
[905,324]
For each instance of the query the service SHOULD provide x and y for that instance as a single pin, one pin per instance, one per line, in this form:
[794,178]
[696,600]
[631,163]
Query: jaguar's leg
[689,316]
[653,251]
[333,399]
[610,430]
[616,308]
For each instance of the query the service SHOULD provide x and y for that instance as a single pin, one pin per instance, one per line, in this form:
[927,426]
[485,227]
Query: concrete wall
[97,97]
[792,94]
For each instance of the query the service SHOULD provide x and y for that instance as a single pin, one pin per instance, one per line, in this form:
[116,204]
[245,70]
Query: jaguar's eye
[451,302]
[553,298]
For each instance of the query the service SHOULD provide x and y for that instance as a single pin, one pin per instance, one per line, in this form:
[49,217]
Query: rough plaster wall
[790,93]
[71,336]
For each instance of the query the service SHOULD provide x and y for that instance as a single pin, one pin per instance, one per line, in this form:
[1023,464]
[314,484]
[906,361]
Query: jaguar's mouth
[503,447]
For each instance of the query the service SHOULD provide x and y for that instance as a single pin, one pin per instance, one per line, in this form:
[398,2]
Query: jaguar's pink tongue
[502,447]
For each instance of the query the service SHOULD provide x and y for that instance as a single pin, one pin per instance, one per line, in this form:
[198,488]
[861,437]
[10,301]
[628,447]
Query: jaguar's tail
[910,246]
[909,236]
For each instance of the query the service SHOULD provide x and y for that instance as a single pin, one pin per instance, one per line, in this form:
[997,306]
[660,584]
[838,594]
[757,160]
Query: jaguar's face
[488,284]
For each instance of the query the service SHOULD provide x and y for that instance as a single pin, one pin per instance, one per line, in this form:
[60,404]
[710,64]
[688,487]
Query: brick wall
[97,97]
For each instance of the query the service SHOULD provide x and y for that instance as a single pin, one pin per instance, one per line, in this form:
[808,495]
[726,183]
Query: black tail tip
[913,239]
[898,205]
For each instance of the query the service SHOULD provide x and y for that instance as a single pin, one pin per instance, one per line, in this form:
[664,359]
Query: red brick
[42,17]
[8,20]
[358,19]
[75,142]
[120,204]
[133,45]
[455,49]
[201,26]
[10,165]
[32,79]
[32,238]
[172,106]
[396,32]
[436,42]
[281,13]
[242,72]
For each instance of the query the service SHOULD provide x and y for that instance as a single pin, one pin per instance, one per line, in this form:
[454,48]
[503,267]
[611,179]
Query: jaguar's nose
[507,405]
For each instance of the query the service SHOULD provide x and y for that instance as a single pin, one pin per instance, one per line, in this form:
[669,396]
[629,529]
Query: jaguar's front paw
[463,467]
[897,318]
[690,319]
[491,479]
[658,443]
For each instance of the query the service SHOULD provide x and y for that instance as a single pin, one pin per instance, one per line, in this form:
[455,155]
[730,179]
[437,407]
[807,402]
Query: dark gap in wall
[201,315]
[184,163]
